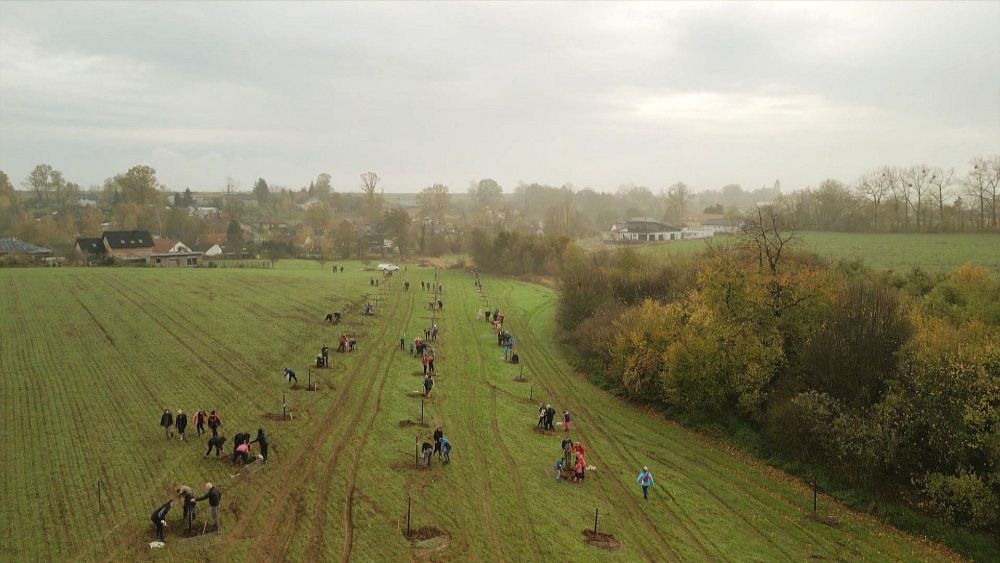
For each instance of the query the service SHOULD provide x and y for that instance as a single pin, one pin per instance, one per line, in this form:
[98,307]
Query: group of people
[546,414]
[169,423]
[333,318]
[189,504]
[441,448]
[432,286]
[346,344]
[241,454]
[572,459]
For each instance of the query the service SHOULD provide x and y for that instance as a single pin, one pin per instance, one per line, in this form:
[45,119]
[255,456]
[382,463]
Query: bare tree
[873,187]
[918,181]
[435,201]
[941,181]
[677,197]
[766,233]
[372,195]
[982,184]
[893,178]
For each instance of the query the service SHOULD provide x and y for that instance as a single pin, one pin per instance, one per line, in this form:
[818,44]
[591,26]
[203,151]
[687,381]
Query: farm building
[91,247]
[129,246]
[722,225]
[208,249]
[14,247]
[173,253]
[643,229]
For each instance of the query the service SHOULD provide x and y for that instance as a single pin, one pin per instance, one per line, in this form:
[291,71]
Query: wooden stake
[596,510]
[531,393]
[407,517]
[421,411]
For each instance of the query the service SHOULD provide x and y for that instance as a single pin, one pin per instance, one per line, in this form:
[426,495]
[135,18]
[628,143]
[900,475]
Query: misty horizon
[592,95]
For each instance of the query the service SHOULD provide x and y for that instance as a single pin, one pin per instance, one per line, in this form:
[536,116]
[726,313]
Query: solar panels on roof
[11,245]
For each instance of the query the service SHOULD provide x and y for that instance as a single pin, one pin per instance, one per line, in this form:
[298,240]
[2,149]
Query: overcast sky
[593,94]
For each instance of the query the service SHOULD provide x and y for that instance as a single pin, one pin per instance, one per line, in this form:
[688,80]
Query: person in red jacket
[200,418]
[214,423]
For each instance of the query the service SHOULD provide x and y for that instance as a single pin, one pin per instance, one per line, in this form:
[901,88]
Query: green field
[881,251]
[90,357]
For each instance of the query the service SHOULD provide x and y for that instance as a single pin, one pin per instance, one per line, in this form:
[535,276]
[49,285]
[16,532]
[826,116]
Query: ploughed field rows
[91,357]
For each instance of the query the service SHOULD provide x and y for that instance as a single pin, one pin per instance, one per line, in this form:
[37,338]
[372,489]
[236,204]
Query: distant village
[129,224]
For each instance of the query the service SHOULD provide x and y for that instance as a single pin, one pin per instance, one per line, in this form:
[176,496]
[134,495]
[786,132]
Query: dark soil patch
[825,520]
[601,540]
[538,430]
[407,466]
[275,417]
[424,533]
[409,423]
[417,395]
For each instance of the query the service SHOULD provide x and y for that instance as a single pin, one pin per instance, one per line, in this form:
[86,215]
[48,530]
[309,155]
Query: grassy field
[882,251]
[89,358]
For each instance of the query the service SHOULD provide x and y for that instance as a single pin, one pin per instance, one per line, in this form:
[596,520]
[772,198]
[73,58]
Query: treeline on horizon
[890,381]
[917,198]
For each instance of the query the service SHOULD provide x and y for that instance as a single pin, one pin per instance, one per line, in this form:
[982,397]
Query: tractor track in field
[649,528]
[384,364]
[307,453]
[206,362]
[217,344]
[746,492]
[750,492]
[512,469]
[490,520]
[93,319]
[652,530]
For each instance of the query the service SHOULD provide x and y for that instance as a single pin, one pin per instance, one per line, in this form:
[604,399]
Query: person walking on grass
[566,421]
[167,422]
[182,423]
[214,423]
[428,385]
[214,497]
[159,518]
[646,480]
[402,341]
[200,418]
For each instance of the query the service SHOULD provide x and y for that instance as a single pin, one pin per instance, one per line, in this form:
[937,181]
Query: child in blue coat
[646,480]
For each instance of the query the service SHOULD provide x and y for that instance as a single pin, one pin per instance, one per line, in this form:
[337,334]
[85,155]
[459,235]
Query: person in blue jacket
[646,480]
[446,450]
